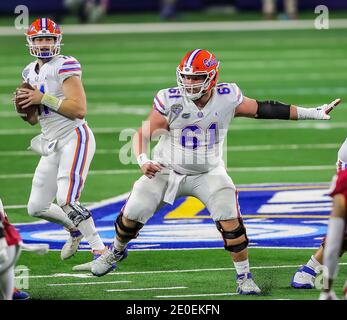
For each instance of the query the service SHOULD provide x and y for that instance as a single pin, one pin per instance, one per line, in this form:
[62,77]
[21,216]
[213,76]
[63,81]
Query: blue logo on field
[275,216]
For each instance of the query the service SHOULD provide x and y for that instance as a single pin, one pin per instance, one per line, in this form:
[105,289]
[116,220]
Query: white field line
[250,148]
[85,283]
[199,295]
[186,27]
[85,275]
[293,125]
[145,289]
[134,171]
[124,196]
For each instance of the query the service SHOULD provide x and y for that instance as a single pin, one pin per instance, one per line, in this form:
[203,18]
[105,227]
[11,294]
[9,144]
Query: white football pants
[214,189]
[62,174]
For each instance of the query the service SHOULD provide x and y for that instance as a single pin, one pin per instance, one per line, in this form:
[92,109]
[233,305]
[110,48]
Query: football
[27,112]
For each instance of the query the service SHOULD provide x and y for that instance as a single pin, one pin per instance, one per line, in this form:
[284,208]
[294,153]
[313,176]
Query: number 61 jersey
[194,142]
[50,80]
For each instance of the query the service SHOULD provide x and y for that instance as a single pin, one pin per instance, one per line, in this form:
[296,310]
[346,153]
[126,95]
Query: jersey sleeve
[339,184]
[237,94]
[159,103]
[67,68]
[25,73]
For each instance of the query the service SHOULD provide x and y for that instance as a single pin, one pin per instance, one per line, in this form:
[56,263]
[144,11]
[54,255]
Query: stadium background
[121,73]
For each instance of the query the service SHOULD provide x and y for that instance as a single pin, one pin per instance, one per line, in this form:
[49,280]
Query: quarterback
[192,121]
[66,143]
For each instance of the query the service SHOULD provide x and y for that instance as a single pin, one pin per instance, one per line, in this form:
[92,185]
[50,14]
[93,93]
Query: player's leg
[217,191]
[333,244]
[7,274]
[145,198]
[43,192]
[74,161]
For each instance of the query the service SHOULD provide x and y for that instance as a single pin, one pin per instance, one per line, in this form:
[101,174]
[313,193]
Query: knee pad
[234,234]
[76,213]
[126,233]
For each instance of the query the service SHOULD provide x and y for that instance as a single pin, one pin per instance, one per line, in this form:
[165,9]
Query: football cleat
[246,285]
[328,295]
[71,245]
[20,295]
[86,266]
[107,261]
[303,278]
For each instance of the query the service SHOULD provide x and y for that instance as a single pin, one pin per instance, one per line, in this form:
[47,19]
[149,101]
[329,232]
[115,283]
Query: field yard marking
[249,148]
[321,125]
[179,27]
[85,275]
[145,289]
[199,295]
[85,283]
[240,169]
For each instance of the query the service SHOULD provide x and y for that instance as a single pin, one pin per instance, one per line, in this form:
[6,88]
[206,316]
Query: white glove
[3,250]
[319,113]
[39,248]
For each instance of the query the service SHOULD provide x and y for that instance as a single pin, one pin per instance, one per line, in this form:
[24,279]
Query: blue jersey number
[192,141]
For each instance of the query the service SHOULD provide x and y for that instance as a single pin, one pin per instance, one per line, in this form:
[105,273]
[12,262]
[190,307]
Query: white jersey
[194,143]
[50,80]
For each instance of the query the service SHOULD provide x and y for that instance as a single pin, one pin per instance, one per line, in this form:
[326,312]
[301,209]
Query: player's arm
[155,125]
[73,106]
[252,108]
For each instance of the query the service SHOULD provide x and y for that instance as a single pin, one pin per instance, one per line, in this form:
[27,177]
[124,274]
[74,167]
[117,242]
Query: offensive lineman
[193,119]
[66,144]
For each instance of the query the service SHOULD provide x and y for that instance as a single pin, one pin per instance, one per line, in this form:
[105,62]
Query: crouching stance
[192,121]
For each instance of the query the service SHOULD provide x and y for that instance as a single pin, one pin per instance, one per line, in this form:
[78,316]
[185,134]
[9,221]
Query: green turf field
[121,73]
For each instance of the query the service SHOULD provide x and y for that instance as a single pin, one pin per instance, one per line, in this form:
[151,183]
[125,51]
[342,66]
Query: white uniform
[192,154]
[61,172]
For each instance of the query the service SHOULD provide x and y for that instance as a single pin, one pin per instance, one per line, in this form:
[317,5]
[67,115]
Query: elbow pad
[273,110]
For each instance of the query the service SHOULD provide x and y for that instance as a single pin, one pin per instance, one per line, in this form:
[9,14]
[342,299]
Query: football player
[10,241]
[193,121]
[66,144]
[336,235]
[305,276]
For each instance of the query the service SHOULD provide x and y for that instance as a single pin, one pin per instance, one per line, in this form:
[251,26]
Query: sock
[57,215]
[242,267]
[333,245]
[87,228]
[313,264]
[119,246]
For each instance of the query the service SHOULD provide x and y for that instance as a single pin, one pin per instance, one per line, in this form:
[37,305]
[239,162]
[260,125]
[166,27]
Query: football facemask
[44,28]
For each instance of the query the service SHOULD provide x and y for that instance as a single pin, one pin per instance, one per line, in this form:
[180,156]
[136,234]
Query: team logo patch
[274,215]
[186,115]
[177,108]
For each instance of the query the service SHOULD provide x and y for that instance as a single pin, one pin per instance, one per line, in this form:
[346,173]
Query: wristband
[51,102]
[142,159]
[307,113]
